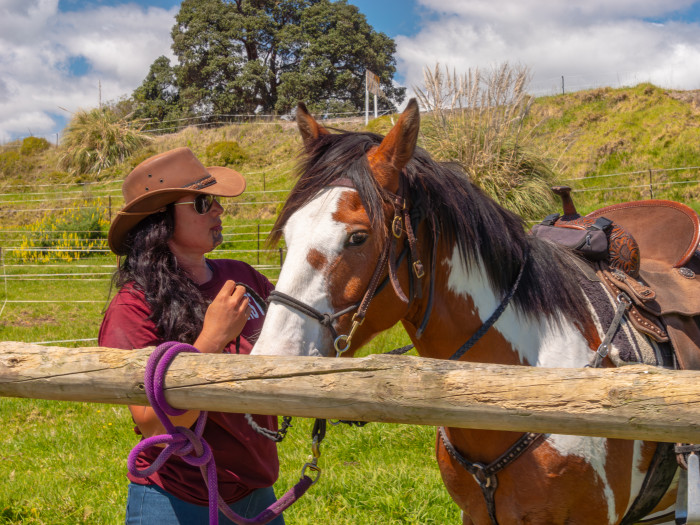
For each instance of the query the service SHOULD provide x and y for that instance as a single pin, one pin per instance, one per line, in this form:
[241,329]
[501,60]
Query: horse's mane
[460,211]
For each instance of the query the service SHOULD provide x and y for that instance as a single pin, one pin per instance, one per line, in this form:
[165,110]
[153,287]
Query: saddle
[652,256]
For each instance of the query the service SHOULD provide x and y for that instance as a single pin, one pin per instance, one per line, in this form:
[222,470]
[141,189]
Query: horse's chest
[564,480]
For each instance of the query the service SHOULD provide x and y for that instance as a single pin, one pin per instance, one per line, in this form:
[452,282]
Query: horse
[378,232]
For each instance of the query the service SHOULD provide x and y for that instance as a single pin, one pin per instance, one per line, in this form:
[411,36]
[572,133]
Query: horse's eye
[357,238]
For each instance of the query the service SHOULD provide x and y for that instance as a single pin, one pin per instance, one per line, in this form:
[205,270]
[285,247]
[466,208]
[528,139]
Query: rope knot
[179,441]
[195,450]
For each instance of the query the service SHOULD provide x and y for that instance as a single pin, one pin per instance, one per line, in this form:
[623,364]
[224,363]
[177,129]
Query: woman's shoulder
[127,323]
[129,298]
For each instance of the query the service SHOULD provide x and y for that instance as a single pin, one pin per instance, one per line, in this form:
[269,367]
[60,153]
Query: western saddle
[653,257]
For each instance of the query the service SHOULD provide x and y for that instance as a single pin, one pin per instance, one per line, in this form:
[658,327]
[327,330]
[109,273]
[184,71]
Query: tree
[158,97]
[243,56]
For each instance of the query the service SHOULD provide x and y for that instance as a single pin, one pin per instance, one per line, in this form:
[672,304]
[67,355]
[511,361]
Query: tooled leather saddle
[652,255]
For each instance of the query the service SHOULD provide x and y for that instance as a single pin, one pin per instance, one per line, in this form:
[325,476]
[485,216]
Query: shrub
[478,121]
[66,236]
[98,139]
[224,153]
[11,163]
[33,145]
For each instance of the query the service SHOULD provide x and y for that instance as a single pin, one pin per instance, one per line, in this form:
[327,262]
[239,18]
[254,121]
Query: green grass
[62,462]
[65,462]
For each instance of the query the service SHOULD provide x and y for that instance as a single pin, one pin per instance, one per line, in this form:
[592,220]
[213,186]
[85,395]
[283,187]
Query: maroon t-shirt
[245,460]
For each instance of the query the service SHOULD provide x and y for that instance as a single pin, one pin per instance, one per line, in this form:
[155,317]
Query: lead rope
[194,450]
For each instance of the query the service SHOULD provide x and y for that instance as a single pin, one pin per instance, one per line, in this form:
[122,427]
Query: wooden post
[258,252]
[632,402]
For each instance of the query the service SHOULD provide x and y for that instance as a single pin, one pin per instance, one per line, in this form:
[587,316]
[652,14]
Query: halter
[402,222]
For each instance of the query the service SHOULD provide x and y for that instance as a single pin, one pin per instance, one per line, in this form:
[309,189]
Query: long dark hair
[176,303]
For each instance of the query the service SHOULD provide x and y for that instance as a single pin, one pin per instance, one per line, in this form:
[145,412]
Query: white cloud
[38,43]
[589,42]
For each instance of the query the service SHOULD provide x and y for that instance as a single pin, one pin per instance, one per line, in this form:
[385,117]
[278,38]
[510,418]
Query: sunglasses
[202,203]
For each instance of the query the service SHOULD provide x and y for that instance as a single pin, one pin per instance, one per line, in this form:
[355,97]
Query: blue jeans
[151,505]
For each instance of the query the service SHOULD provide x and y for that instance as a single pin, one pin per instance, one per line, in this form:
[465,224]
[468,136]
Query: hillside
[583,135]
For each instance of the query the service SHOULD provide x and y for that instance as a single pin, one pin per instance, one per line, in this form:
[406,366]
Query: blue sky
[58,56]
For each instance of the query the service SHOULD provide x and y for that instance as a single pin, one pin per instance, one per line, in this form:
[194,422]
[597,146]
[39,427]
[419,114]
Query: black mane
[460,211]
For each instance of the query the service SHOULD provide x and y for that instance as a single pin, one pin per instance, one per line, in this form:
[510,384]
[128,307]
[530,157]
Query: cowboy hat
[163,179]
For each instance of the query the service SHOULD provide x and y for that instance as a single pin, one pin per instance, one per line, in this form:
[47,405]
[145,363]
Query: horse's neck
[464,299]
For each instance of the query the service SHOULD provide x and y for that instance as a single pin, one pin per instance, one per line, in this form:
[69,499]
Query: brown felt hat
[163,179]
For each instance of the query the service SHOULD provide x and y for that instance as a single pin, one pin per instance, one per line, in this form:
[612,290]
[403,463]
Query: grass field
[65,463]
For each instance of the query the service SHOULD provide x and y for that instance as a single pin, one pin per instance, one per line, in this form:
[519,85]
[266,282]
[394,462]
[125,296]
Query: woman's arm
[223,322]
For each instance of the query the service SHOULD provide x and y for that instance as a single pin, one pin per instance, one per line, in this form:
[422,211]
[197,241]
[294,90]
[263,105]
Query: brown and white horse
[354,265]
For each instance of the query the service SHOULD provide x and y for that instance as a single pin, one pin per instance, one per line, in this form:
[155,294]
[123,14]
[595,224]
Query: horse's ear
[308,127]
[397,148]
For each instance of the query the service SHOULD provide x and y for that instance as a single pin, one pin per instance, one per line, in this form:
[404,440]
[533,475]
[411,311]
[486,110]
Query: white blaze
[287,331]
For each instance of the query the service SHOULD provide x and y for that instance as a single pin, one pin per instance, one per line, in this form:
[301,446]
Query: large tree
[158,97]
[240,56]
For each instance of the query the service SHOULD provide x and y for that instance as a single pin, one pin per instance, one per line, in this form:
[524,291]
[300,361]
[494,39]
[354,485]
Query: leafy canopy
[243,56]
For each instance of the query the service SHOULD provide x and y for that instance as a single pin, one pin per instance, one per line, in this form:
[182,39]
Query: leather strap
[494,316]
[639,316]
[485,475]
[658,478]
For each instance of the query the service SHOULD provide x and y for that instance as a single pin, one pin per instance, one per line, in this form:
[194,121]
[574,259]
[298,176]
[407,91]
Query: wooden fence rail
[634,402]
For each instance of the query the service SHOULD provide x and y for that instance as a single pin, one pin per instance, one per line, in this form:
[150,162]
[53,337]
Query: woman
[169,291]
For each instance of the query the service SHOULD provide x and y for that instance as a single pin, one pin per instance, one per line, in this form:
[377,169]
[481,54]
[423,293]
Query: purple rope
[191,446]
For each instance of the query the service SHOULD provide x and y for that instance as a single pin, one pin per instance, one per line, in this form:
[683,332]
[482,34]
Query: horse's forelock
[329,158]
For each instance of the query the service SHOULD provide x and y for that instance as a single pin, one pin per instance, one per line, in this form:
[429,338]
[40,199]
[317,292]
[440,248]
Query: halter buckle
[418,269]
[397,226]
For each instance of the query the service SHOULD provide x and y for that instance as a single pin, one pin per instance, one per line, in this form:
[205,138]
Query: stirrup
[688,498]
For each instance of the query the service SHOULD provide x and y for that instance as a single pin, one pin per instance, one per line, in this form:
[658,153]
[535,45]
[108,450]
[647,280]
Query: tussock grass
[99,139]
[478,120]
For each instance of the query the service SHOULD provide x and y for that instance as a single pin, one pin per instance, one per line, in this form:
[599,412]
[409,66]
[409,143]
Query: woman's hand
[225,318]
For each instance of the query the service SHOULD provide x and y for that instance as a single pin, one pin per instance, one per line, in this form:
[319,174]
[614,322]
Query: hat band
[134,213]
[201,183]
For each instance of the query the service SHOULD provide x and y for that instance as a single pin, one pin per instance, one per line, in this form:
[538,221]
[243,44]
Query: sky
[60,56]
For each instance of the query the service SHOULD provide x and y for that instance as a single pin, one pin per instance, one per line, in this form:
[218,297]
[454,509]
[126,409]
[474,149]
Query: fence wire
[20,262]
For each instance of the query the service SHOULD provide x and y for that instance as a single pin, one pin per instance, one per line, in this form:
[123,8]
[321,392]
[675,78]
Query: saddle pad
[629,346]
